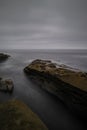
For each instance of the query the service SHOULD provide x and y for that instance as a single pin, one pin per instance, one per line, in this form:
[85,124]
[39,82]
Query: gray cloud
[43,24]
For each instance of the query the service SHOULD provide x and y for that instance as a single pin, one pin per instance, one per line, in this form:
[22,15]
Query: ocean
[51,110]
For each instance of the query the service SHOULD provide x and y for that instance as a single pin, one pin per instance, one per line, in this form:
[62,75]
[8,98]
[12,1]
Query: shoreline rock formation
[3,56]
[66,83]
[6,85]
[15,115]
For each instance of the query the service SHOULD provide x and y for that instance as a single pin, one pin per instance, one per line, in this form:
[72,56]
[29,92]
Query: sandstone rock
[66,83]
[67,74]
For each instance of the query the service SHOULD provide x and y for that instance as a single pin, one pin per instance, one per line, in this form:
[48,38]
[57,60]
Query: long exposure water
[51,110]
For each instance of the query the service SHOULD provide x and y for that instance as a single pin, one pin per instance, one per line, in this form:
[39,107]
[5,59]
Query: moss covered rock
[15,115]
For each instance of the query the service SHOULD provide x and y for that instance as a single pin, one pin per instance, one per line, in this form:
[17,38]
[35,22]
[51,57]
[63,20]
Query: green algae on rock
[15,115]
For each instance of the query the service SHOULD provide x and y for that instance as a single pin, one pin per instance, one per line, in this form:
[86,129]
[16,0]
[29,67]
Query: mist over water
[42,24]
[51,110]
[73,58]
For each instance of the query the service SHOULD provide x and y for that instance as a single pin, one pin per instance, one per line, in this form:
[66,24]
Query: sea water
[51,110]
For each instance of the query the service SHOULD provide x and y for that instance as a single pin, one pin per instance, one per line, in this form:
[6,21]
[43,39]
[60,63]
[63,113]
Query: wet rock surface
[15,115]
[65,83]
[3,56]
[6,85]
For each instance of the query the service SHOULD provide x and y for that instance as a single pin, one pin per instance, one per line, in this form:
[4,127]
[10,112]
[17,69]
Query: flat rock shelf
[66,83]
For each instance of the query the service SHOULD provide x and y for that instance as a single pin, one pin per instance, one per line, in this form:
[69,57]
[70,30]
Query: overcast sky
[43,24]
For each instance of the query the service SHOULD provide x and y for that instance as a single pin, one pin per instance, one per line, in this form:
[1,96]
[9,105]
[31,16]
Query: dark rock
[3,56]
[59,81]
[6,85]
[15,115]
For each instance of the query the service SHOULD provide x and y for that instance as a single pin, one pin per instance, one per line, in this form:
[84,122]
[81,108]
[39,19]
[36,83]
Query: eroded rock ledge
[68,84]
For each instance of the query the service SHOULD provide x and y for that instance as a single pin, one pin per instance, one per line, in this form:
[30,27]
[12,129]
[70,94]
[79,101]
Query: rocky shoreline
[14,114]
[6,85]
[65,83]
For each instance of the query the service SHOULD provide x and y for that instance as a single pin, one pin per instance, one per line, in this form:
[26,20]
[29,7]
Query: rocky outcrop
[15,115]
[3,56]
[68,84]
[6,85]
